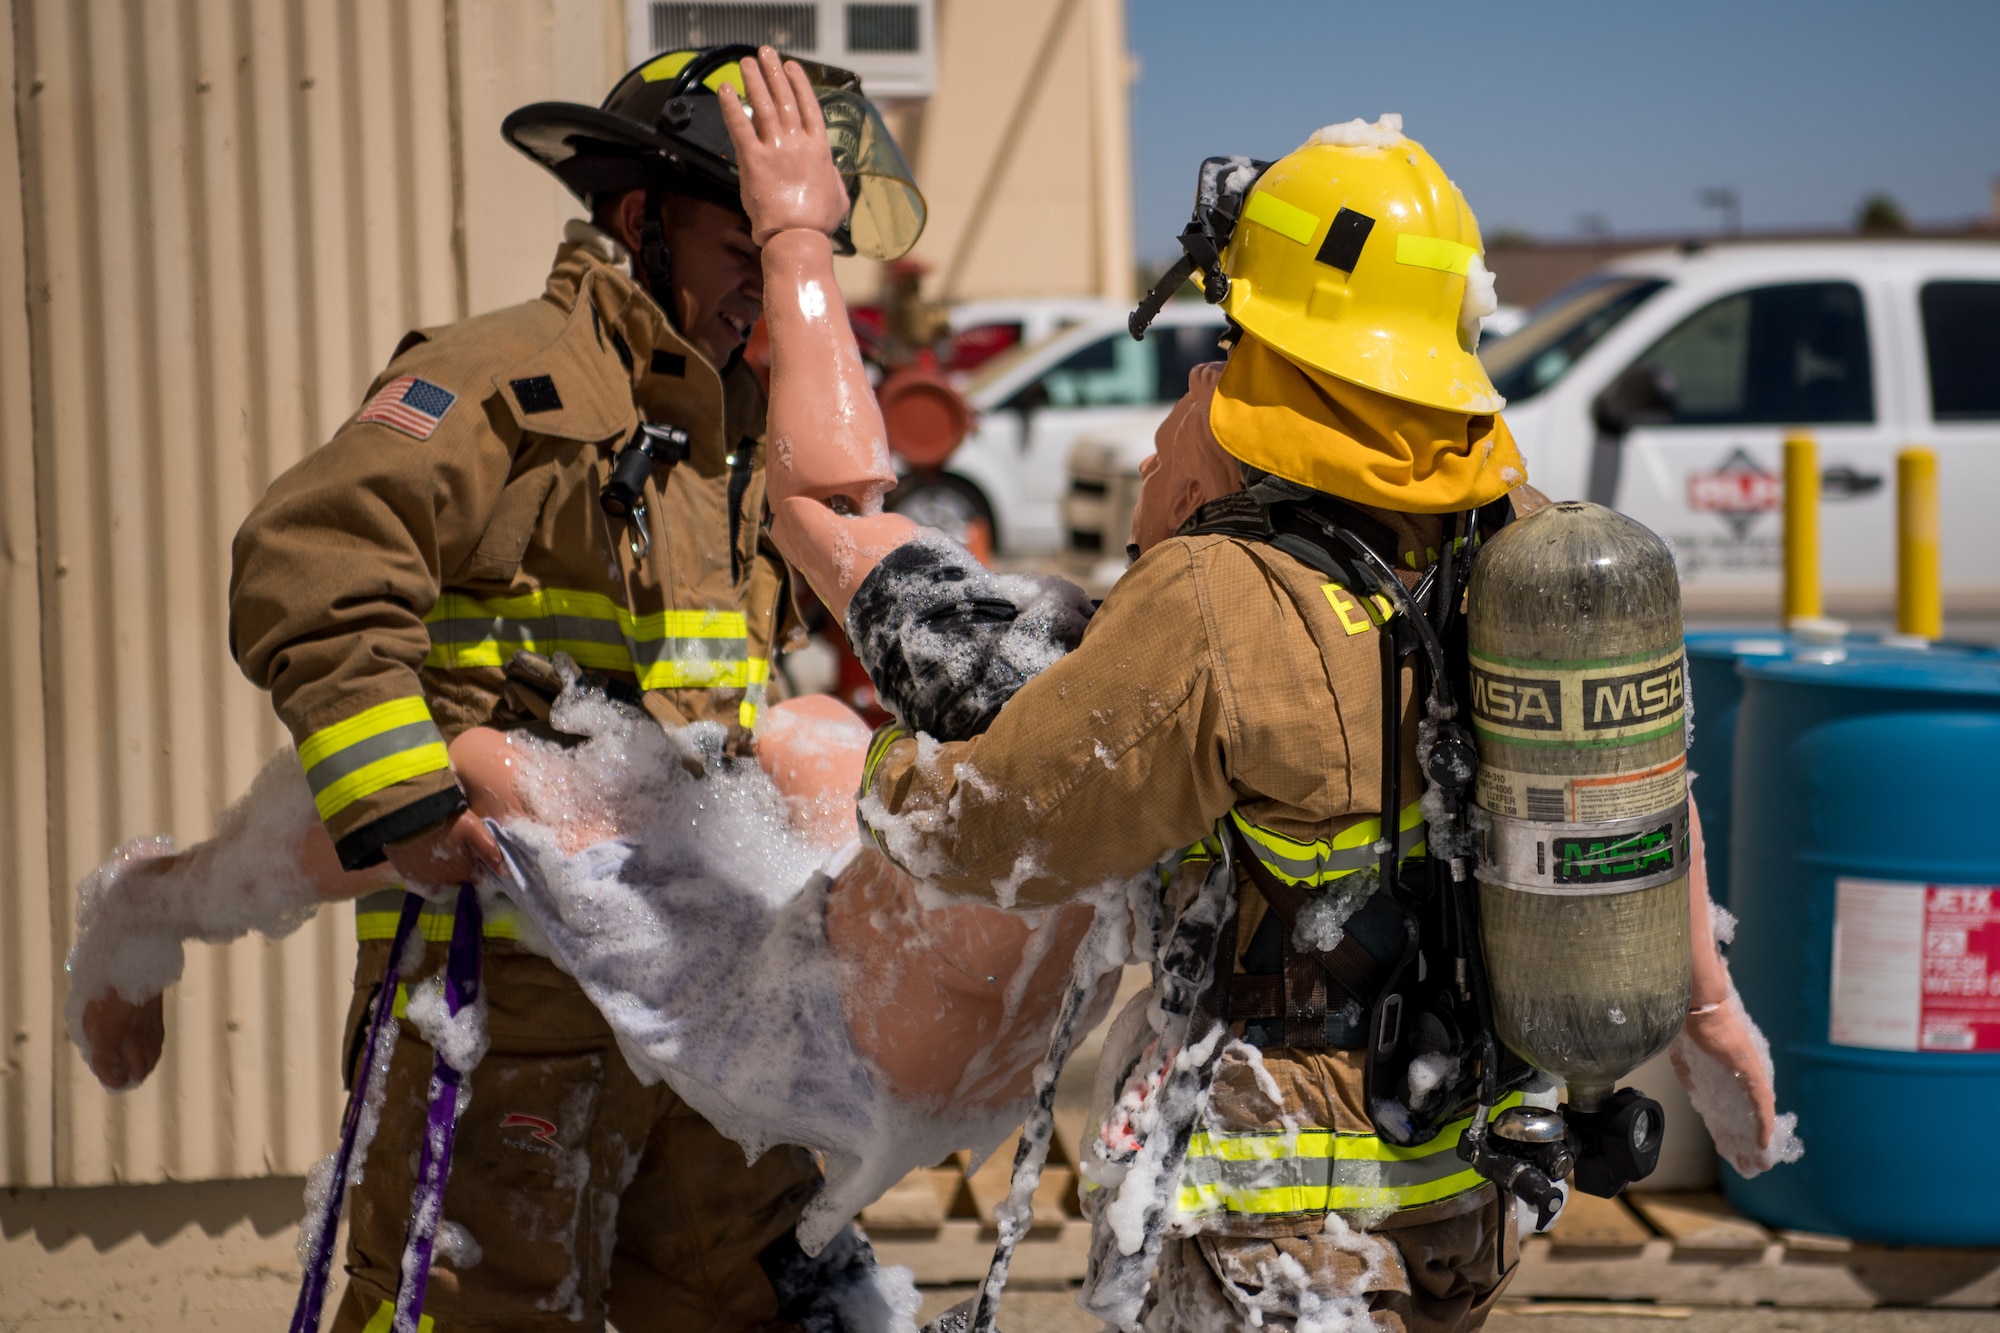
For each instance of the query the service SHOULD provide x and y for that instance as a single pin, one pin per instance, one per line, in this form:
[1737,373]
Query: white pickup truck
[1033,405]
[1665,383]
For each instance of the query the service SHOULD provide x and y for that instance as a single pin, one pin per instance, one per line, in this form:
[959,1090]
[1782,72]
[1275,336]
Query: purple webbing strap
[461,988]
[312,1289]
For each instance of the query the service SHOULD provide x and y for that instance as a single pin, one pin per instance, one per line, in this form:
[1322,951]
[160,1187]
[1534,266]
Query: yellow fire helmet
[1354,255]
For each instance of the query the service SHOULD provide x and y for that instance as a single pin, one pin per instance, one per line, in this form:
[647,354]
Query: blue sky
[1546,110]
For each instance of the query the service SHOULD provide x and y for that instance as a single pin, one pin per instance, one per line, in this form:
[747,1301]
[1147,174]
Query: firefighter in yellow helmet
[1228,700]
[1247,711]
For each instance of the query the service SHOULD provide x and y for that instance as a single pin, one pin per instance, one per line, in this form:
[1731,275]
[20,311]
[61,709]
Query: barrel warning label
[1557,798]
[1577,703]
[1916,967]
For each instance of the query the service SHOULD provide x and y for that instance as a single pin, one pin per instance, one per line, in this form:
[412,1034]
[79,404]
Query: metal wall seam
[232,212]
[1001,223]
[27,985]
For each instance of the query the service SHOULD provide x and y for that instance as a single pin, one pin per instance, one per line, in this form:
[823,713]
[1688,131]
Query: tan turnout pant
[587,1194]
[1431,1277]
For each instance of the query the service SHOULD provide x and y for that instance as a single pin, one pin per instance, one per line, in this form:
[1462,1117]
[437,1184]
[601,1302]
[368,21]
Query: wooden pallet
[1694,1249]
[939,1221]
[1655,1249]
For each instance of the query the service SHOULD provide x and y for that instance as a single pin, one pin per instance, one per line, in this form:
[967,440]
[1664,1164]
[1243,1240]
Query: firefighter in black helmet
[385,590]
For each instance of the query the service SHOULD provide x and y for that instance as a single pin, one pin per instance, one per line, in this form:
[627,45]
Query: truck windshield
[1561,330]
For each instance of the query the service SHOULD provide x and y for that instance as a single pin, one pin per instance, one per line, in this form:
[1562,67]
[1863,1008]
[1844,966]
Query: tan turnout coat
[382,584]
[1219,675]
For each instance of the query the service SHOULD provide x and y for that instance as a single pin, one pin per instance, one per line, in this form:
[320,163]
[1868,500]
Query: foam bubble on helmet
[1386,132]
[1479,301]
[1724,1104]
[132,922]
[698,931]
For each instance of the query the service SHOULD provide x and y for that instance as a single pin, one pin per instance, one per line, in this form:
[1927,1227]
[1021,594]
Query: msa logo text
[1621,701]
[1517,701]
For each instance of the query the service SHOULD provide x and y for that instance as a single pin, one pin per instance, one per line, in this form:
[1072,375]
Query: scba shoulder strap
[1430,1050]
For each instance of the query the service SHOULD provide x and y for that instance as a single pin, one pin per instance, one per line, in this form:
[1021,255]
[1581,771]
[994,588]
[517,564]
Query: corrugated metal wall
[1024,153]
[223,216]
[216,219]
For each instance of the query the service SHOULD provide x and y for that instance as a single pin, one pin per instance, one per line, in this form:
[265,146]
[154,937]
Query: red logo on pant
[545,1130]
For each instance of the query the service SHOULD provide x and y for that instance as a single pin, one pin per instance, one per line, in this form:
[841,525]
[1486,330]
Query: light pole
[1726,199]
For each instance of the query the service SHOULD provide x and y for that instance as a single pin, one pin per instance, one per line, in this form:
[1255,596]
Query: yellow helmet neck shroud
[1321,431]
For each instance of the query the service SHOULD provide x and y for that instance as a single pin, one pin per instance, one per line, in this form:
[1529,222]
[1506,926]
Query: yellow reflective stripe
[1197,1197]
[545,602]
[1286,858]
[371,778]
[375,918]
[752,706]
[1288,220]
[659,71]
[384,1319]
[886,735]
[1435,252]
[1200,1199]
[368,722]
[599,634]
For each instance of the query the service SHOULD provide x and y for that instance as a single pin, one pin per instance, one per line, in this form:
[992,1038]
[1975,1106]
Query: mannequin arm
[829,457]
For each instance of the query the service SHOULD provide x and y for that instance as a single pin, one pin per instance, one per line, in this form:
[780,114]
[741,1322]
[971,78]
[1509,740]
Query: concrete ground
[1046,1311]
[218,1258]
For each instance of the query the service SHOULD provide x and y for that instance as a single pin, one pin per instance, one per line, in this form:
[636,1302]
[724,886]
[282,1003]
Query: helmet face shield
[888,212]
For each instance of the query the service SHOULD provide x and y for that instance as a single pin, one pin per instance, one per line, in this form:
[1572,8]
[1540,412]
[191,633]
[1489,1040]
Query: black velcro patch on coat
[1342,247]
[536,393]
[669,363]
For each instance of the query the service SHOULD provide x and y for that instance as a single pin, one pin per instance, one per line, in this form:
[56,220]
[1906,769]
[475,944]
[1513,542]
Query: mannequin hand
[454,852]
[789,180]
[125,1039]
[1723,1035]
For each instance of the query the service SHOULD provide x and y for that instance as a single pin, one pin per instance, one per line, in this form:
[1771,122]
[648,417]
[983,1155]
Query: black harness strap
[1430,995]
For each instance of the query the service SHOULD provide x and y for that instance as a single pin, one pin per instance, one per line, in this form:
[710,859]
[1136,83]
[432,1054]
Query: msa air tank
[1573,620]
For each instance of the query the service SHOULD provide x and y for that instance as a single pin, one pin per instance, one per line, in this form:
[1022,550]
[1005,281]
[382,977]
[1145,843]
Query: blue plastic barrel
[1715,691]
[1867,794]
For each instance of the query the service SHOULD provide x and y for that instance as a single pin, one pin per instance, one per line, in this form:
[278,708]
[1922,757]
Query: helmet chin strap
[655,258]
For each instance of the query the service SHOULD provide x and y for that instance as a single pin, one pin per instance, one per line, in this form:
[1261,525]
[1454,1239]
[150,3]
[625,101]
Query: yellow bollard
[1802,600]
[1919,585]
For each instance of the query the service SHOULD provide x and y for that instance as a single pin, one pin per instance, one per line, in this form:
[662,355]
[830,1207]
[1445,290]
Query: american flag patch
[411,405]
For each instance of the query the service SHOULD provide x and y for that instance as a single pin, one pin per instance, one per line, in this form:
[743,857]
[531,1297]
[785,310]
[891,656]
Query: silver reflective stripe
[539,629]
[340,763]
[1235,1175]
